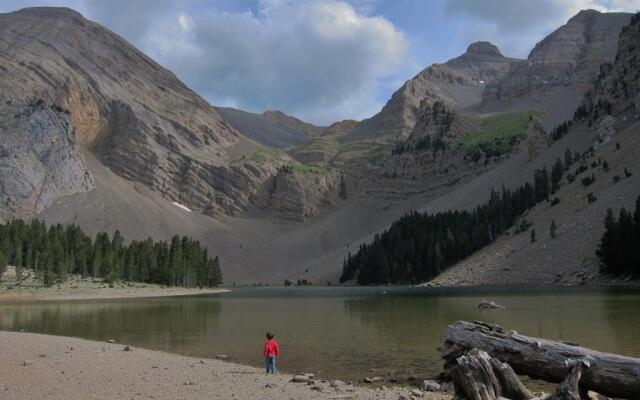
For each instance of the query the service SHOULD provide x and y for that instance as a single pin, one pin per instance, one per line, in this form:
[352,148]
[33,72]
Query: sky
[319,60]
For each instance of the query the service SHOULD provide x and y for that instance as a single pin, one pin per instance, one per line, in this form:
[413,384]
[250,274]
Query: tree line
[54,252]
[619,248]
[419,246]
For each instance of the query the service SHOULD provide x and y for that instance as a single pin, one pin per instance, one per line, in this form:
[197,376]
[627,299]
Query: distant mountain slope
[272,128]
[459,82]
[136,116]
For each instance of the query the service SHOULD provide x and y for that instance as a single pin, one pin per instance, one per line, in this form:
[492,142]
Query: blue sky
[320,60]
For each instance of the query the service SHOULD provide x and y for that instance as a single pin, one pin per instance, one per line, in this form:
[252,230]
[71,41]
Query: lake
[343,333]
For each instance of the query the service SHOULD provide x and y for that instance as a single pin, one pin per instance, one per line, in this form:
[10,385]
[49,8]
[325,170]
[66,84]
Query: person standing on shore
[270,353]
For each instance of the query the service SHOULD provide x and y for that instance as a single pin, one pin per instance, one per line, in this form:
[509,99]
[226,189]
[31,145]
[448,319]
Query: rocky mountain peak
[51,12]
[584,14]
[483,48]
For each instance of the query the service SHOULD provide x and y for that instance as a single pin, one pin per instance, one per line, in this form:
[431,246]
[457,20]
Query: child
[270,353]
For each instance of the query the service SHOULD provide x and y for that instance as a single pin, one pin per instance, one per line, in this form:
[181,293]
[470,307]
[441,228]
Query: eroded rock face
[571,55]
[39,161]
[136,116]
[296,196]
[617,88]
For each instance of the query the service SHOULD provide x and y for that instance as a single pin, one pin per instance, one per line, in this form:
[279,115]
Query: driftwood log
[607,374]
[478,376]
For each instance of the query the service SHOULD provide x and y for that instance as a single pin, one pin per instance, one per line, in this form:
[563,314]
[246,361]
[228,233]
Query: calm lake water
[344,333]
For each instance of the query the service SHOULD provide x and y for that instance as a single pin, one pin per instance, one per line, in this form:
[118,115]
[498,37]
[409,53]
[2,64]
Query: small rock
[430,386]
[367,380]
[447,387]
[42,355]
[189,383]
[377,379]
[111,341]
[222,357]
[336,383]
[300,379]
[26,363]
[489,304]
[316,388]
[416,392]
[201,361]
[127,348]
[402,397]
[270,385]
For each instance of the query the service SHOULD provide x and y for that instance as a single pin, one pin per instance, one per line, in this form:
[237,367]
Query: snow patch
[481,82]
[181,206]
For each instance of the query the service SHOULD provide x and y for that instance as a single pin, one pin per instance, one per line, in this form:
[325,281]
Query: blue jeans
[271,364]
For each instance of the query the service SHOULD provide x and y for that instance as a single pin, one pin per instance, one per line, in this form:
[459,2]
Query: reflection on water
[337,332]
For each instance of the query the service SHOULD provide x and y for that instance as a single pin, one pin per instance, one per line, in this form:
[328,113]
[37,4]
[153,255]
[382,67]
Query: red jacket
[270,348]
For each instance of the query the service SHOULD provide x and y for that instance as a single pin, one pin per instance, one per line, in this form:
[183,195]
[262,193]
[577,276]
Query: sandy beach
[42,366]
[78,288]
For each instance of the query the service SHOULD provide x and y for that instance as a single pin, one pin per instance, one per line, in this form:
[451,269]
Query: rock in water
[489,304]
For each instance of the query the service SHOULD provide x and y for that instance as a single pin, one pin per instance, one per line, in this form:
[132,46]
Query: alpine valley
[95,133]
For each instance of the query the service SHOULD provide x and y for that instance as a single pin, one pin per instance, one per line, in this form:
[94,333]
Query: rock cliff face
[571,55]
[136,116]
[459,82]
[39,161]
[617,87]
[294,197]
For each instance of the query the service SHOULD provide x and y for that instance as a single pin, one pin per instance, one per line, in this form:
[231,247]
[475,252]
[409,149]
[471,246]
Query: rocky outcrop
[617,87]
[136,116]
[571,55]
[39,161]
[295,196]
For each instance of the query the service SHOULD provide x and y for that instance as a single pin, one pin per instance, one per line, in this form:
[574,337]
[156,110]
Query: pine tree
[556,175]
[343,187]
[533,235]
[3,262]
[606,248]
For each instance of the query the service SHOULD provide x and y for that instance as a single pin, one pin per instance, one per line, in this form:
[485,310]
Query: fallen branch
[608,374]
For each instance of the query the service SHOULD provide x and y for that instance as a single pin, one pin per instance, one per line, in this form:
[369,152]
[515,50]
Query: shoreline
[60,367]
[28,295]
[78,288]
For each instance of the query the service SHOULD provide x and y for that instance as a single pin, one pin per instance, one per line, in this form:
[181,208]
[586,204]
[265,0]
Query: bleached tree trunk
[607,374]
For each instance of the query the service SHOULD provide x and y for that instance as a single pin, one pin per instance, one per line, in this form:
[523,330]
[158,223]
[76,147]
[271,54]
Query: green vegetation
[419,246]
[297,168]
[263,154]
[619,249]
[497,135]
[56,251]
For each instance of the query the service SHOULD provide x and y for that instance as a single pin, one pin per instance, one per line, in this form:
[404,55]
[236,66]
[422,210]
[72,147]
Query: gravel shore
[78,288]
[42,366]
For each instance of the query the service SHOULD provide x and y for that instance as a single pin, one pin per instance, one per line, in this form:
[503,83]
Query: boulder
[430,386]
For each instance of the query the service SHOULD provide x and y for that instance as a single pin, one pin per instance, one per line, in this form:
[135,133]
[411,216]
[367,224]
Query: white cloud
[518,24]
[320,60]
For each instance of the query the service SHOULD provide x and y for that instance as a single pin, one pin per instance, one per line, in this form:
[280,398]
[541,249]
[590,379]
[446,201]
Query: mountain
[271,128]
[92,90]
[560,68]
[98,134]
[459,82]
